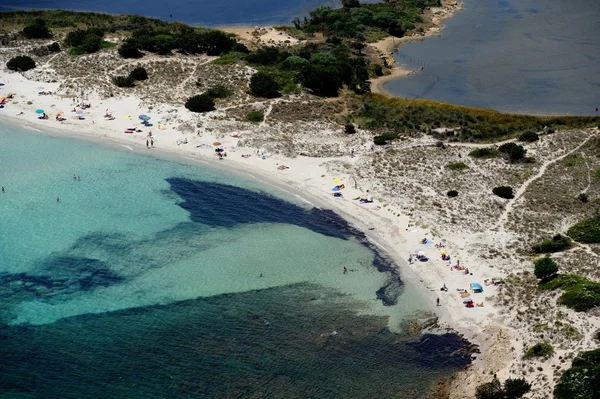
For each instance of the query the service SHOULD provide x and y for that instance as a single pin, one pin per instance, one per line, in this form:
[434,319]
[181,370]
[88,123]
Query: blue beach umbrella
[476,287]
[39,111]
[336,188]
[145,118]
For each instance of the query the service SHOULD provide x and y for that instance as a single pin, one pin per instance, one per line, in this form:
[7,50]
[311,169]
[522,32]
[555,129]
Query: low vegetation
[529,137]
[85,41]
[123,81]
[541,349]
[513,388]
[20,63]
[513,151]
[457,166]
[452,193]
[582,379]
[471,124]
[557,243]
[255,116]
[579,294]
[586,231]
[219,92]
[485,152]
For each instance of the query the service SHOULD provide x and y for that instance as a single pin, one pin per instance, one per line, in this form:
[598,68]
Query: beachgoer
[345,270]
[152,143]
[261,275]
[2,188]
[57,199]
[147,143]
[78,178]
[438,302]
[74,177]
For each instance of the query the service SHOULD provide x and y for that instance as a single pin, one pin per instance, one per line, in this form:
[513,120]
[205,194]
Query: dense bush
[139,73]
[515,388]
[200,103]
[219,92]
[583,197]
[255,116]
[54,47]
[490,390]
[557,243]
[457,166]
[503,192]
[452,193]
[264,85]
[20,63]
[349,128]
[483,153]
[182,38]
[541,349]
[268,56]
[37,30]
[586,231]
[582,380]
[130,49]
[383,139]
[529,137]
[545,268]
[84,41]
[514,151]
[123,81]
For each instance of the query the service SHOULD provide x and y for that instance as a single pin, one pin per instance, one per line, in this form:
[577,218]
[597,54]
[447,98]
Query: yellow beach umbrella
[443,252]
[336,180]
[127,117]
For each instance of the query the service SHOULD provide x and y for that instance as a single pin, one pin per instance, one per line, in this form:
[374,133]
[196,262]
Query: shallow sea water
[144,281]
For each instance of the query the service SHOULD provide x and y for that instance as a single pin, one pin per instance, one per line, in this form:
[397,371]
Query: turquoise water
[145,281]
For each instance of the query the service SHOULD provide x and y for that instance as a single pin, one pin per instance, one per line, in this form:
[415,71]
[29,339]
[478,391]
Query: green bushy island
[337,66]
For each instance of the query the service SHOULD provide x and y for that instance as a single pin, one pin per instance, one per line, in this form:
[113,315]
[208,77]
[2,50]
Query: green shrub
[219,92]
[123,81]
[483,153]
[21,63]
[452,193]
[515,388]
[529,137]
[583,197]
[557,243]
[264,85]
[503,192]
[255,116]
[597,172]
[582,379]
[200,103]
[580,293]
[37,30]
[383,139]
[457,166]
[586,231]
[139,73]
[545,268]
[541,349]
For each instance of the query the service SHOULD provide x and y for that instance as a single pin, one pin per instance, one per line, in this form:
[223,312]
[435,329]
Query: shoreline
[390,45]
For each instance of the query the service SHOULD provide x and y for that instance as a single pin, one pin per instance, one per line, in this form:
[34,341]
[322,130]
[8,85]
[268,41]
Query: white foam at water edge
[126,146]
[31,128]
[305,200]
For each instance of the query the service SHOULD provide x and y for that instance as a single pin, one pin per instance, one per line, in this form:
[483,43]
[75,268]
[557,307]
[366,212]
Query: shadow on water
[102,259]
[296,341]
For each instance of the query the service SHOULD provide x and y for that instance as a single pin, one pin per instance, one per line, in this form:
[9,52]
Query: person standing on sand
[152,143]
[147,144]
[438,302]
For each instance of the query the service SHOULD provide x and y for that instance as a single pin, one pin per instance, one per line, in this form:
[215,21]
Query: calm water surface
[511,55]
[144,281]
